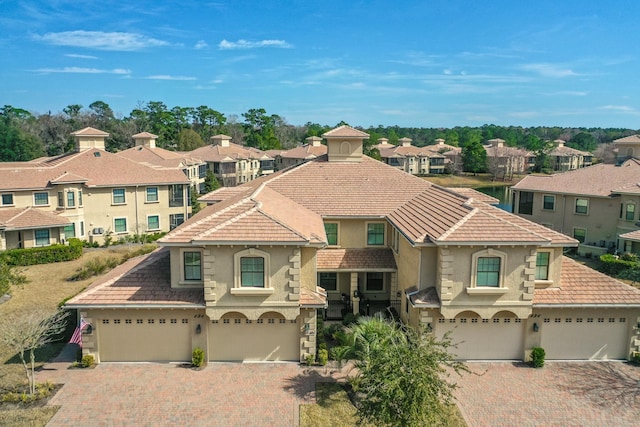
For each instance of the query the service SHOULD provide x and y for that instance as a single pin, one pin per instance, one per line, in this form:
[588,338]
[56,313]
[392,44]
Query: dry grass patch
[32,417]
[471,181]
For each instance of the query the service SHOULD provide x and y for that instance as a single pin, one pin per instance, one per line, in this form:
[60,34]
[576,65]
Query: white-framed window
[41,198]
[7,199]
[630,211]
[153,222]
[192,266]
[395,237]
[41,237]
[70,230]
[548,202]
[82,228]
[542,265]
[152,195]
[375,233]
[582,206]
[71,199]
[60,199]
[375,281]
[80,202]
[487,272]
[328,281]
[331,229]
[252,272]
[120,225]
[119,197]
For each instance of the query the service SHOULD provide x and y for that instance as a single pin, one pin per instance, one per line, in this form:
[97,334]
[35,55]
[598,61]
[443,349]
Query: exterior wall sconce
[198,329]
[88,330]
[536,328]
[355,293]
[429,328]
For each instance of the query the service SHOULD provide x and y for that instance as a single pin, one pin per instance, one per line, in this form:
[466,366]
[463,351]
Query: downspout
[136,199]
[564,211]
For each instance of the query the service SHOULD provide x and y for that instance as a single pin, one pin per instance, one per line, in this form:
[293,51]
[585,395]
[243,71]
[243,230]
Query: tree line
[25,135]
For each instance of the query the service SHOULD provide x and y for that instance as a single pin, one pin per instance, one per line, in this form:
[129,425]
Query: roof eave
[78,306]
[585,305]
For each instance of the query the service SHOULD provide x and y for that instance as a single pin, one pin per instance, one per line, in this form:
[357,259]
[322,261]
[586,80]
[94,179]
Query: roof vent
[96,154]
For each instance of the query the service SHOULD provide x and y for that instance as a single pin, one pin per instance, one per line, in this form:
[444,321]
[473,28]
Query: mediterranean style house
[566,158]
[233,164]
[312,149]
[409,158]
[87,194]
[246,278]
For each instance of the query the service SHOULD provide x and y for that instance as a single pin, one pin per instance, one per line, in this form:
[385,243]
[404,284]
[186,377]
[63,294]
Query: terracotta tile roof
[159,157]
[306,151]
[224,193]
[313,299]
[355,259]
[568,151]
[345,131]
[143,280]
[28,218]
[632,139]
[89,131]
[427,297]
[219,153]
[475,195]
[68,178]
[403,151]
[632,235]
[598,180]
[581,285]
[144,135]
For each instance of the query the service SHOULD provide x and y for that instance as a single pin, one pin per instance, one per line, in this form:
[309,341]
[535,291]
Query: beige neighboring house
[597,205]
[314,148]
[627,148]
[504,161]
[246,277]
[234,164]
[92,192]
[566,158]
[30,227]
[146,152]
[409,158]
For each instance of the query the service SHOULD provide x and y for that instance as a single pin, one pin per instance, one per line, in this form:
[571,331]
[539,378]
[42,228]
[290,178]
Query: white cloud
[621,108]
[567,93]
[101,40]
[201,44]
[549,70]
[82,70]
[245,44]
[75,55]
[168,77]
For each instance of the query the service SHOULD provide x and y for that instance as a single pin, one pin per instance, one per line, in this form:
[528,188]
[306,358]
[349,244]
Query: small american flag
[76,338]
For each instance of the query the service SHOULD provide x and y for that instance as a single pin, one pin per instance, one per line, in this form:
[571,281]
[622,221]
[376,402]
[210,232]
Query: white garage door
[144,337]
[500,338]
[584,337]
[254,340]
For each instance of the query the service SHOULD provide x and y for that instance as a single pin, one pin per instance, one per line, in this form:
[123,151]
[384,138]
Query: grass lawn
[334,408]
[47,287]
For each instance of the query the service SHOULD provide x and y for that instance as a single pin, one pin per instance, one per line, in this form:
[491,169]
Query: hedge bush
[44,255]
[614,266]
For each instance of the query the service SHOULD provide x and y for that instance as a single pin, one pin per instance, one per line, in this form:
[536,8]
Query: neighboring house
[234,164]
[627,148]
[409,158]
[595,205]
[246,278]
[504,161]
[30,227]
[92,192]
[309,151]
[566,158]
[146,152]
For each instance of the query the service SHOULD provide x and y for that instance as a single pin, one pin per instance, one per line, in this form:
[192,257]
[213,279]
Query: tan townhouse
[246,278]
[504,161]
[409,158]
[234,164]
[566,158]
[93,192]
[312,149]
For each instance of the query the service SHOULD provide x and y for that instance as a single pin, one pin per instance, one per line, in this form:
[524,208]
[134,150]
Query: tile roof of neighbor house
[581,285]
[93,167]
[345,131]
[306,151]
[632,235]
[404,151]
[141,281]
[89,131]
[568,151]
[598,180]
[28,218]
[631,139]
[474,194]
[427,297]
[219,153]
[159,157]
[354,259]
[313,299]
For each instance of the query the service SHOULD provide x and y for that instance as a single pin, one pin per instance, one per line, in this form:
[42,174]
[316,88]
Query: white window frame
[113,196]
[153,229]
[554,202]
[574,234]
[337,233]
[13,199]
[575,206]
[35,240]
[183,279]
[366,284]
[41,204]
[384,234]
[238,289]
[487,290]
[126,224]
[549,260]
[146,195]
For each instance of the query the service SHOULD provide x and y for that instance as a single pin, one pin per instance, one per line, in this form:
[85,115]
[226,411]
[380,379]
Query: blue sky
[407,63]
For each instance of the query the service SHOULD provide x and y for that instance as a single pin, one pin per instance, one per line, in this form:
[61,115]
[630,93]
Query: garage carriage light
[536,328]
[198,329]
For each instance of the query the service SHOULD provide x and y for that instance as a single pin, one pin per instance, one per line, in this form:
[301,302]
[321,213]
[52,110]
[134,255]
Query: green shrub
[45,254]
[310,359]
[613,266]
[95,267]
[43,390]
[197,357]
[323,356]
[635,357]
[629,256]
[537,357]
[350,319]
[88,361]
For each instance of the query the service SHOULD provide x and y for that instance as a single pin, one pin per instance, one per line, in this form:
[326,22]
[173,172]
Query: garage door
[265,339]
[149,337]
[500,338]
[584,337]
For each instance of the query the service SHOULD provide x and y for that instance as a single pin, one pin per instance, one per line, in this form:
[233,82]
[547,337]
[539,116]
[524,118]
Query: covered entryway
[499,338]
[585,335]
[269,338]
[144,336]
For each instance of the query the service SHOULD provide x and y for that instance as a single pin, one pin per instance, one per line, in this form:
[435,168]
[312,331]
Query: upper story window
[42,237]
[118,196]
[192,266]
[252,272]
[41,198]
[375,234]
[395,237]
[525,203]
[548,202]
[151,195]
[175,220]
[488,271]
[582,206]
[80,203]
[331,229]
[328,281]
[7,199]
[542,265]
[60,199]
[71,199]
[630,211]
[176,195]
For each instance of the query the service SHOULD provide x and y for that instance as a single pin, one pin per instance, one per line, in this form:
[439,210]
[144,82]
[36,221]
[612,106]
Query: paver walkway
[560,394]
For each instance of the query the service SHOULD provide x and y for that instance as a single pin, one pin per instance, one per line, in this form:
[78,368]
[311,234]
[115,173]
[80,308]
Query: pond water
[501,193]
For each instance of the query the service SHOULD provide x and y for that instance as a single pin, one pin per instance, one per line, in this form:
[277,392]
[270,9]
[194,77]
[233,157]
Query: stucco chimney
[497,142]
[145,139]
[558,143]
[406,142]
[221,140]
[344,144]
[383,141]
[440,141]
[314,141]
[88,138]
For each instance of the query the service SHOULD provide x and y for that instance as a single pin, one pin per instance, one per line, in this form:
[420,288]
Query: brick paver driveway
[560,394]
[495,394]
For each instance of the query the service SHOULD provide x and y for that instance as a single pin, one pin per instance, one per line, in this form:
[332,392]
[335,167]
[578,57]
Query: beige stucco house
[246,278]
[89,193]
[409,158]
[565,158]
[504,161]
[312,149]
